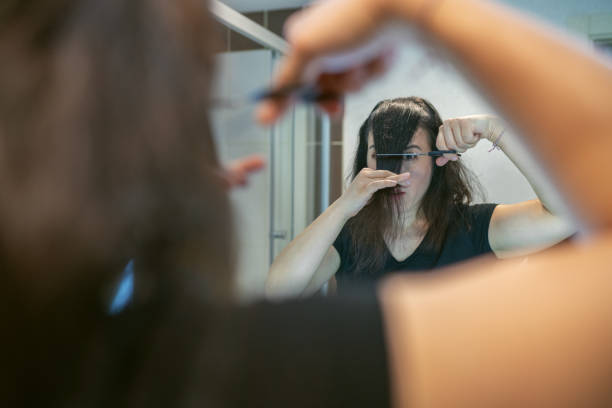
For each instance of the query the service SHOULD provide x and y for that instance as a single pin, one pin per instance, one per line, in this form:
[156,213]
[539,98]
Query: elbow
[274,288]
[280,287]
[270,287]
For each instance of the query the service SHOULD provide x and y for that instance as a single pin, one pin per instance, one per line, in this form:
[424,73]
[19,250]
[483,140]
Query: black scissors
[304,92]
[434,153]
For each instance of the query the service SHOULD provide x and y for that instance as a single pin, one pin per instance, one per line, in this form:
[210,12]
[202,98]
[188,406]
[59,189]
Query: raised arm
[520,228]
[511,333]
[309,260]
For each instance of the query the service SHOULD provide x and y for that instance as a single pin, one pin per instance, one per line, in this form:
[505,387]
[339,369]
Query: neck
[411,223]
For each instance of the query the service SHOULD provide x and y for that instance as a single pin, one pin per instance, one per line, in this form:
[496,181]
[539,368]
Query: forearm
[436,339]
[552,91]
[295,266]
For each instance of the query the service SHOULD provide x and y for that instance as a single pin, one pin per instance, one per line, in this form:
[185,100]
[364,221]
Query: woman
[414,211]
[105,155]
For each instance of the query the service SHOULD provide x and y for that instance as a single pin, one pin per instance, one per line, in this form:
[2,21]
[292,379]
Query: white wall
[415,73]
[239,76]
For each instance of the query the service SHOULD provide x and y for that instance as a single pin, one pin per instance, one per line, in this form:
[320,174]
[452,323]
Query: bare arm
[515,229]
[310,260]
[508,333]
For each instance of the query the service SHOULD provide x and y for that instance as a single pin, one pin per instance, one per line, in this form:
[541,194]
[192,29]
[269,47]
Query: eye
[410,158]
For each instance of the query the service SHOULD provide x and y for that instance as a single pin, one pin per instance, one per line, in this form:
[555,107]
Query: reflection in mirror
[494,199]
[408,210]
[522,212]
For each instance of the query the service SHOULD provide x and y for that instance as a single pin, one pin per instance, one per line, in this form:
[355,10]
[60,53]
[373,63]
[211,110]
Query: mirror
[284,199]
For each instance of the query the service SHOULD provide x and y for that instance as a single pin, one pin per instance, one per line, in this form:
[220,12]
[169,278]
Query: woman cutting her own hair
[106,154]
[409,205]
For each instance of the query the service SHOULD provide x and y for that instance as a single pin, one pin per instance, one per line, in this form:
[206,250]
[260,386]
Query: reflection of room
[281,201]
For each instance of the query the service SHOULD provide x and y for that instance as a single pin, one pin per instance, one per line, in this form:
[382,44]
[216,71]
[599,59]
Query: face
[419,167]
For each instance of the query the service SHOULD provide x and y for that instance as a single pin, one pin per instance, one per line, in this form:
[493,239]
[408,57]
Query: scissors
[434,153]
[304,92]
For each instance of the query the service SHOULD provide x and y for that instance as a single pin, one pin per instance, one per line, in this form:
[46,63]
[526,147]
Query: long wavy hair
[393,123]
[106,154]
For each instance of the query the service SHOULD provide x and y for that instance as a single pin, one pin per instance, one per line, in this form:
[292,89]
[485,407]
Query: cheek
[420,175]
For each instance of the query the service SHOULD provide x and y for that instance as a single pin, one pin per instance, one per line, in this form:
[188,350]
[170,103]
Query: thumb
[441,161]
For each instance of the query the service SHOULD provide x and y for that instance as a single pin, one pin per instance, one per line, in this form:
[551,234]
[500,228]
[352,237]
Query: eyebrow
[412,146]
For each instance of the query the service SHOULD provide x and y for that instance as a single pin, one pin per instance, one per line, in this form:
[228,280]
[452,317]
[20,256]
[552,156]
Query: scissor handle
[304,92]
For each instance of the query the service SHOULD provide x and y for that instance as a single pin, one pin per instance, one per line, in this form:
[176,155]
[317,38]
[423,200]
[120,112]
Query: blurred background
[309,156]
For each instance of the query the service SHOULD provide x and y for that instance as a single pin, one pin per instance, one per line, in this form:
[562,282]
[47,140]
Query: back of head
[105,154]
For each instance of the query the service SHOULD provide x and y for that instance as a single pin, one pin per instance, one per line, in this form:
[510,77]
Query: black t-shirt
[459,245]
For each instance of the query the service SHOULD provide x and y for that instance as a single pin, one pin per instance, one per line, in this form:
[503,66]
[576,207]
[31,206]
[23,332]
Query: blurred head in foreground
[105,155]
[105,146]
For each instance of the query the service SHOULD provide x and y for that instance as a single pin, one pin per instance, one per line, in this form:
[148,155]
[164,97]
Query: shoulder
[479,212]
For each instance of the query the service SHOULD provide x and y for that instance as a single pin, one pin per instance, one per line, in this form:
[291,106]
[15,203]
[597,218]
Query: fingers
[456,134]
[336,83]
[380,64]
[339,82]
[392,181]
[445,141]
[370,173]
[319,33]
[380,184]
[249,164]
[385,179]
[379,174]
[452,134]
[402,179]
[289,72]
[441,161]
[333,107]
[374,180]
[237,173]
[468,134]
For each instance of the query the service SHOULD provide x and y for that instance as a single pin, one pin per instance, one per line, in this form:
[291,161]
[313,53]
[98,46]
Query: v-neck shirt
[459,245]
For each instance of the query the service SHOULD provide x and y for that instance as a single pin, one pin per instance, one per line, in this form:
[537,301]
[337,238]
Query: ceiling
[257,5]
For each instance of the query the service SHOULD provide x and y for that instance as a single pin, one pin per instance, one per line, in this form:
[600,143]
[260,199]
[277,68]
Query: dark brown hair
[105,155]
[393,123]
